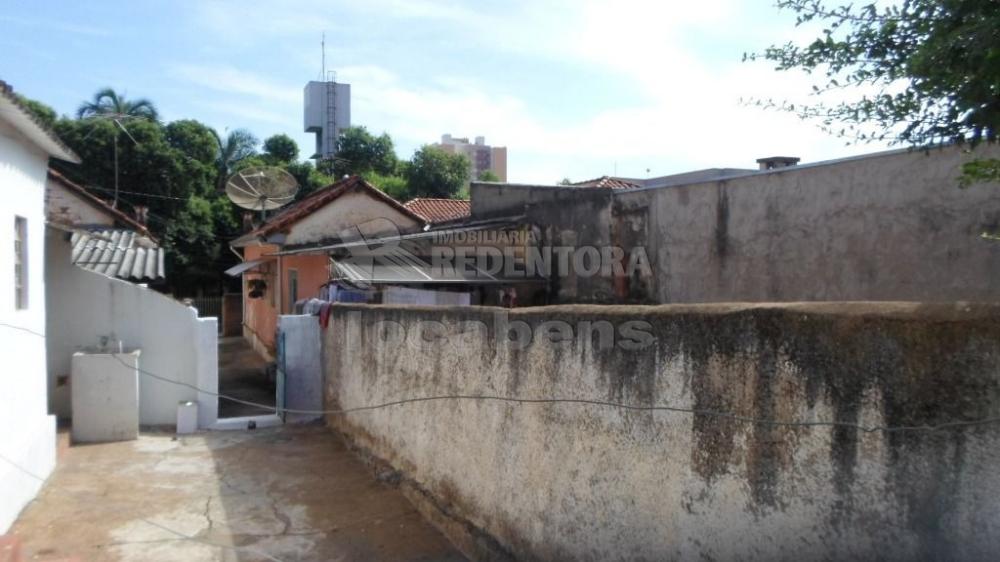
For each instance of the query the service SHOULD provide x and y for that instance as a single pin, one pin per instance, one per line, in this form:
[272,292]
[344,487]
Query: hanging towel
[324,315]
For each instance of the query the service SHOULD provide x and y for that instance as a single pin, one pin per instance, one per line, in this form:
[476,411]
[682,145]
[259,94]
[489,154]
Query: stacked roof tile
[608,182]
[118,253]
[440,210]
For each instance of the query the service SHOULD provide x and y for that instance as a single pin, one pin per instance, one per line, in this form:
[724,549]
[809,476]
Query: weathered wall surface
[887,227]
[564,218]
[589,482]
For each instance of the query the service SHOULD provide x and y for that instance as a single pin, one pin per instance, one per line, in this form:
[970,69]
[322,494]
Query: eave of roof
[317,200]
[100,205]
[21,118]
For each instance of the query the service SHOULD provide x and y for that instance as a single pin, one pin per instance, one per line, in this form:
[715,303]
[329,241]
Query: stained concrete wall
[84,307]
[886,226]
[893,226]
[589,482]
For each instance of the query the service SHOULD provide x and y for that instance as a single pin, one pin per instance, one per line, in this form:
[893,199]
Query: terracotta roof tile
[439,210]
[607,182]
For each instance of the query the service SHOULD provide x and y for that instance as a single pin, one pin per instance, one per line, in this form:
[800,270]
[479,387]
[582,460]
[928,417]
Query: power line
[139,193]
[577,401]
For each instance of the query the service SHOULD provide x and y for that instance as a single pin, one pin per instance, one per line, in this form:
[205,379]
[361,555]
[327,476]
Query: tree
[393,185]
[107,102]
[281,148]
[435,173]
[934,66]
[310,179]
[358,151]
[45,114]
[487,175]
[238,145]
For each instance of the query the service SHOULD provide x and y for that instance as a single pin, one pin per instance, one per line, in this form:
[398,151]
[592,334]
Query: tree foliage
[435,173]
[488,175]
[930,69]
[359,152]
[309,178]
[281,149]
[45,114]
[107,102]
[236,146]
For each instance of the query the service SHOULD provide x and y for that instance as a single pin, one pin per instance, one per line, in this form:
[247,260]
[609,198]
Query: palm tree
[238,145]
[109,103]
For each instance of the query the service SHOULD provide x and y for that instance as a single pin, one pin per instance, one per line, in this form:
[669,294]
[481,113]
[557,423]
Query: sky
[574,89]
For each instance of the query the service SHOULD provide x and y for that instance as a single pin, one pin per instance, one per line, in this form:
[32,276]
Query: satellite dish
[261,189]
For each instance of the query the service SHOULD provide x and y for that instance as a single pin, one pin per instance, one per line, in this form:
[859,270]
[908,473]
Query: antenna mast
[322,44]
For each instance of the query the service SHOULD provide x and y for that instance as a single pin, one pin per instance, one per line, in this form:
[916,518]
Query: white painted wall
[85,306]
[27,432]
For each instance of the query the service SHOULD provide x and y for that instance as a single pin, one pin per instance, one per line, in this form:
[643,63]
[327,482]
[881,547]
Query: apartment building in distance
[482,157]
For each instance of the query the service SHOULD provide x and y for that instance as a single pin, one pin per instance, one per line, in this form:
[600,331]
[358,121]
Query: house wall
[63,206]
[345,212]
[261,317]
[27,432]
[597,482]
[888,227]
[84,307]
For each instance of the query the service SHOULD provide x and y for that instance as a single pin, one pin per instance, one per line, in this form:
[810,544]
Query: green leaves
[435,173]
[943,54]
[281,149]
[360,152]
[107,102]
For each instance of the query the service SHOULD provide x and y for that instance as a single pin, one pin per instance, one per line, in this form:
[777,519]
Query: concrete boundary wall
[83,307]
[586,482]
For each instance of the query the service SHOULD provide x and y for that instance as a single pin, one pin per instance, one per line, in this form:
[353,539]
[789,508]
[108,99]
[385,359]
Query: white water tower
[327,112]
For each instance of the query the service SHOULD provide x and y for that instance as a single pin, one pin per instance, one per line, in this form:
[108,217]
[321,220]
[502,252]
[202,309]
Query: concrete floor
[290,493]
[242,375]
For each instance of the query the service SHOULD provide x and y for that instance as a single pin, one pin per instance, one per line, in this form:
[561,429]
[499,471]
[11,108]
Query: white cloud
[228,79]
[688,115]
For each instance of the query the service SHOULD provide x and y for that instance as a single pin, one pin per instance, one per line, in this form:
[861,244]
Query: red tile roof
[607,181]
[99,204]
[439,210]
[318,199]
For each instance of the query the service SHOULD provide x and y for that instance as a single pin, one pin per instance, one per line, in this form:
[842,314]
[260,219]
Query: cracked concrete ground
[290,493]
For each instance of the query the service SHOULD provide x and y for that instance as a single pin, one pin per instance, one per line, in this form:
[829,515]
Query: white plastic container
[187,417]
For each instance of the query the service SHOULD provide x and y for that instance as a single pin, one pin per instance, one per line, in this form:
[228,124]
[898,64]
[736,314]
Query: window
[293,287]
[20,263]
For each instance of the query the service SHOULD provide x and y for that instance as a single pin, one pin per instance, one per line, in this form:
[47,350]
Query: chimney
[247,222]
[141,214]
[775,162]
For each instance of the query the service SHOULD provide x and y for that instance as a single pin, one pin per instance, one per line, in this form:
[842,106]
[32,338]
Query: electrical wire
[577,401]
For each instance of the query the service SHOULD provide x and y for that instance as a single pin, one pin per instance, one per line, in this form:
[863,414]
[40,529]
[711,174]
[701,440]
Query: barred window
[20,263]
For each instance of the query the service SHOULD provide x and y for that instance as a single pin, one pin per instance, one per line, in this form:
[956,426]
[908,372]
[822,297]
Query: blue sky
[573,88]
